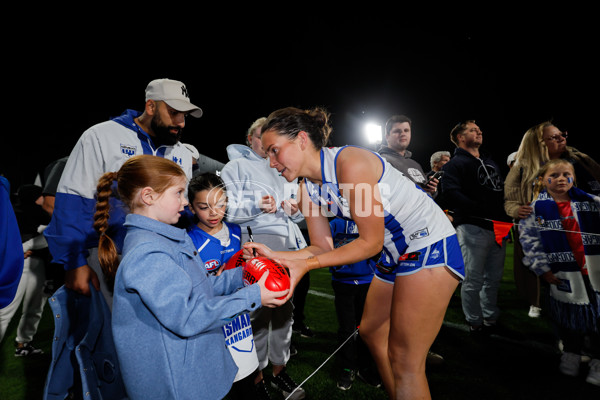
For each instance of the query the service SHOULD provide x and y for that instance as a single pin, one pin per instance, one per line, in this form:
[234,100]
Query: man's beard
[163,134]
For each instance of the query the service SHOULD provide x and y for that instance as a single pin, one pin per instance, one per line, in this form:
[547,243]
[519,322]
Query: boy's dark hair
[204,181]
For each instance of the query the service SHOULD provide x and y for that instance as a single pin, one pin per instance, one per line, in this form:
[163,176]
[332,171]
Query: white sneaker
[534,312]
[569,364]
[594,373]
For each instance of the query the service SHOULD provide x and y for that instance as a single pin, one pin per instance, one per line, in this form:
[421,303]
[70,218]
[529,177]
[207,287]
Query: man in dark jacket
[473,189]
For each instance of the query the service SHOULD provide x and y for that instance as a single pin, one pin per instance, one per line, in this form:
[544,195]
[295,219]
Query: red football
[278,278]
[236,260]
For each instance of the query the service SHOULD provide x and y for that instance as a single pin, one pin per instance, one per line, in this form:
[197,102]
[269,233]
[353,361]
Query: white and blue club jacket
[102,148]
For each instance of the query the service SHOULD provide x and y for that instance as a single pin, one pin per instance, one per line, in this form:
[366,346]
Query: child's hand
[267,204]
[269,298]
[551,278]
[220,270]
[289,206]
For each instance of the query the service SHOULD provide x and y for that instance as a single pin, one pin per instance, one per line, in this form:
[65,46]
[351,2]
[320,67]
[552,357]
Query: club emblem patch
[128,150]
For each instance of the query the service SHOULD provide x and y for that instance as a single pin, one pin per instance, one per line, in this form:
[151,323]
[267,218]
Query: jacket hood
[235,151]
[387,150]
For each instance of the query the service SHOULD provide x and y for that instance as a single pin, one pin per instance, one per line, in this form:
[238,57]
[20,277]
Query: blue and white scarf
[575,303]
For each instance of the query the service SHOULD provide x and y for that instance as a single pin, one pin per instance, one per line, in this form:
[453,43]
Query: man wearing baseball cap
[104,148]
[174,93]
[167,105]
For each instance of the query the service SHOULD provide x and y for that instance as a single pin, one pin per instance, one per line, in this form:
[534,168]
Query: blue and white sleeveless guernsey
[211,250]
[413,221]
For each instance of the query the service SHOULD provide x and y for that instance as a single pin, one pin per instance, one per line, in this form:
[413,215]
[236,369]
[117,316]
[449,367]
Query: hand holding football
[277,280]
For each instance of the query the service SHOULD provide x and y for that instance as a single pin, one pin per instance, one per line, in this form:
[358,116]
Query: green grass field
[521,362]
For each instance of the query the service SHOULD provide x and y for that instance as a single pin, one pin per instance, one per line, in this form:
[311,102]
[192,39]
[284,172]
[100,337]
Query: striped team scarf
[575,304]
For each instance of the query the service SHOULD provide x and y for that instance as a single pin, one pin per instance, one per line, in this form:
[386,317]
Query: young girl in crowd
[420,265]
[561,241]
[217,240]
[168,312]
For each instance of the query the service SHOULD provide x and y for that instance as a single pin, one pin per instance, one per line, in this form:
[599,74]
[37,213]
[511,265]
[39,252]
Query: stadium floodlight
[373,132]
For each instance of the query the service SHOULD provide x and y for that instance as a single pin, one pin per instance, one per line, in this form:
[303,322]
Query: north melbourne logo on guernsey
[128,150]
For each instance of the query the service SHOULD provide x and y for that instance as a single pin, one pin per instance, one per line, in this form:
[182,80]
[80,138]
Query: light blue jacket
[84,362]
[168,314]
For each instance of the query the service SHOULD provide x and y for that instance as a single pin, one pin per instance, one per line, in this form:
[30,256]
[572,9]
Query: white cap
[174,93]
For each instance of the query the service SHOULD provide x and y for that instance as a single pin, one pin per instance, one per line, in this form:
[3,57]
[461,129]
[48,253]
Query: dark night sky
[508,72]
